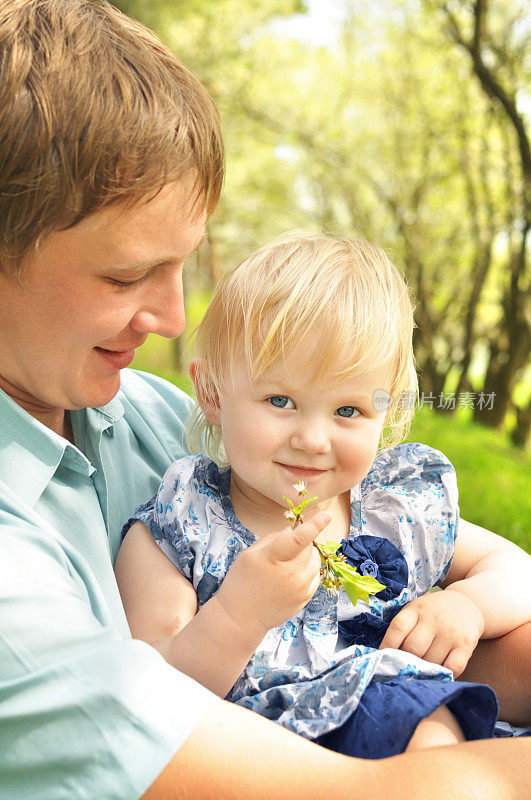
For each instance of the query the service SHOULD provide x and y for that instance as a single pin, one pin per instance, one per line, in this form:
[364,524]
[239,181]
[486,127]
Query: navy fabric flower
[367,552]
[365,629]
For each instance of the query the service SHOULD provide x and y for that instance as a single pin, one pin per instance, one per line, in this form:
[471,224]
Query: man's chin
[97,396]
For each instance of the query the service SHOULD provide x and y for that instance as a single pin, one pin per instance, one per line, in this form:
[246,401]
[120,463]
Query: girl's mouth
[302,472]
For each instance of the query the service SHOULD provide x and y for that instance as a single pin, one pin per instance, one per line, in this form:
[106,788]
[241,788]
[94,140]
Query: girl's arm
[496,575]
[487,594]
[161,609]
[157,599]
[268,583]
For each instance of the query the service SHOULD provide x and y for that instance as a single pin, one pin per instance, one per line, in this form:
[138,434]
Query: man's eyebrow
[146,265]
[162,261]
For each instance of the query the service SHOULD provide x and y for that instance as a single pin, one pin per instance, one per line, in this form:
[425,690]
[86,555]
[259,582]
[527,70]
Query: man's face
[91,295]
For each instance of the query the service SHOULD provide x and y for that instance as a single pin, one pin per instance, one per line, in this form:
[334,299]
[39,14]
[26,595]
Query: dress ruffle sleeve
[175,519]
[409,499]
[188,520]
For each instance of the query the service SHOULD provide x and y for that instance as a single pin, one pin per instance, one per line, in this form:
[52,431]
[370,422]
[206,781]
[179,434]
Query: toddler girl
[304,372]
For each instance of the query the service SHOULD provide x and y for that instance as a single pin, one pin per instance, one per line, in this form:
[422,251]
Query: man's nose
[163,310]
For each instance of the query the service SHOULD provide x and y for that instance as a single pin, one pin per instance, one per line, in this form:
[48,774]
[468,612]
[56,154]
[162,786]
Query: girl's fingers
[438,652]
[400,627]
[456,661]
[419,641]
[290,542]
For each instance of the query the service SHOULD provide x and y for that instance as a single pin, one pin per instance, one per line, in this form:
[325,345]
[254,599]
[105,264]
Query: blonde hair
[345,297]
[94,110]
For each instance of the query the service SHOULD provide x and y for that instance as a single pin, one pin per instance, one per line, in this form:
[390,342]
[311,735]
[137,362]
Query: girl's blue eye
[281,401]
[348,411]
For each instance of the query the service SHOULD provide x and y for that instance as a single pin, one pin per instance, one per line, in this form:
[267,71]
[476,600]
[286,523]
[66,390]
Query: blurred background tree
[405,121]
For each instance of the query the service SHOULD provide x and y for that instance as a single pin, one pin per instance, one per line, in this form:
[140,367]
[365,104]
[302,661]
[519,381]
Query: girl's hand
[441,627]
[274,578]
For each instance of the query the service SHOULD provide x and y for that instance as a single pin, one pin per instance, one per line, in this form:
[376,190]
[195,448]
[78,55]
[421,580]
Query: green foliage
[337,574]
[165,15]
[386,133]
[493,477]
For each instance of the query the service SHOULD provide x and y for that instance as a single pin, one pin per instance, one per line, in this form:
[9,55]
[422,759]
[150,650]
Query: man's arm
[234,754]
[82,705]
[505,664]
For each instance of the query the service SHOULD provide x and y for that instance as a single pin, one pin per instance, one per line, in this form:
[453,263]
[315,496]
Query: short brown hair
[94,110]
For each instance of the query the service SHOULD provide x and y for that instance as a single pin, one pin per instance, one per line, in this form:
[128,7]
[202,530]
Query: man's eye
[280,401]
[348,411]
[127,284]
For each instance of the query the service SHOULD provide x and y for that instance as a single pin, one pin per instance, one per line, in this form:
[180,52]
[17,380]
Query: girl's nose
[311,437]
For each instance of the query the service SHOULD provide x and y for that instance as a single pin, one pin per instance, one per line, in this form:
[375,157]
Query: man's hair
[94,111]
[344,298]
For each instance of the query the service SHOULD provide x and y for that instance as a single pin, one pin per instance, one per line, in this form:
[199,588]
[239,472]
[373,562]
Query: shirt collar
[30,453]
[104,418]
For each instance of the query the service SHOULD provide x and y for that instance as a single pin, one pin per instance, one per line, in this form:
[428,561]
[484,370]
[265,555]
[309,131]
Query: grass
[494,477]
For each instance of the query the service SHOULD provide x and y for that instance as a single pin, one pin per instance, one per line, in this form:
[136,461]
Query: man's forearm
[234,754]
[505,664]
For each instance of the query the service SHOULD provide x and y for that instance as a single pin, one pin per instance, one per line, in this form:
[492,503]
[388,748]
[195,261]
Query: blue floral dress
[320,674]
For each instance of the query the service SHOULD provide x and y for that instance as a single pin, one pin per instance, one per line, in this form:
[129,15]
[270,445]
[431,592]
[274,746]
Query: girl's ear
[205,390]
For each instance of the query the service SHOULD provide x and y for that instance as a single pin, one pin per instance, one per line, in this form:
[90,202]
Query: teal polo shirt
[85,710]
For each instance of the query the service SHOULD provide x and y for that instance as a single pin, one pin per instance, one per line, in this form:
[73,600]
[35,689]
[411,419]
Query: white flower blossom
[290,515]
[300,487]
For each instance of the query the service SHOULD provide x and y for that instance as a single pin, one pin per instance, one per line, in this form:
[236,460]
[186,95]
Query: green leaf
[307,501]
[352,592]
[360,585]
[370,583]
[360,590]
[298,509]
[367,585]
[288,501]
[329,548]
[344,570]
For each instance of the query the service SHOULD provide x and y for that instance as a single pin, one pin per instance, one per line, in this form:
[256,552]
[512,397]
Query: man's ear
[205,390]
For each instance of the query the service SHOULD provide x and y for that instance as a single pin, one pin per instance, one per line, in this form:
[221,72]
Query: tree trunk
[520,432]
[504,364]
[177,352]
